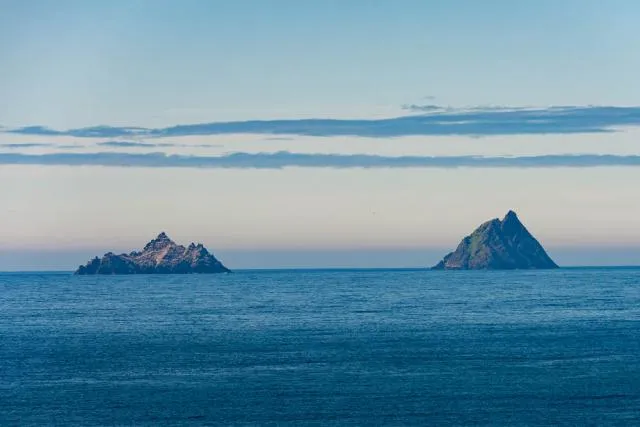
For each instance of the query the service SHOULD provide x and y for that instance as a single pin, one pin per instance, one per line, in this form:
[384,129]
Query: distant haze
[68,260]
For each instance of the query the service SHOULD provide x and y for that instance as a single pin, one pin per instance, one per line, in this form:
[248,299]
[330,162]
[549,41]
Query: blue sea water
[376,347]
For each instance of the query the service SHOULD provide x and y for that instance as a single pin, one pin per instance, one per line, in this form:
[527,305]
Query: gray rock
[160,256]
[498,245]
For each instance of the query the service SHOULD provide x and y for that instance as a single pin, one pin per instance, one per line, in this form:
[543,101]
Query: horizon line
[321,269]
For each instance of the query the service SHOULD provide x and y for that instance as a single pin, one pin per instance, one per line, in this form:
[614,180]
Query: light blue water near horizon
[334,347]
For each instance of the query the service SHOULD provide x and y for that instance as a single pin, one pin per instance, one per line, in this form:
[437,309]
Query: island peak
[511,215]
[162,236]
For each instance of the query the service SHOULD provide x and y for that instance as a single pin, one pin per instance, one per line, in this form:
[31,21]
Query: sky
[288,134]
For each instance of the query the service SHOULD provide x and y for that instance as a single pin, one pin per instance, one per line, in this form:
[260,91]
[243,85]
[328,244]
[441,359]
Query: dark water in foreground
[322,348]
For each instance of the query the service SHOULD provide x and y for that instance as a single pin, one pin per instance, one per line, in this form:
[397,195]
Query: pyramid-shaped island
[498,245]
[160,256]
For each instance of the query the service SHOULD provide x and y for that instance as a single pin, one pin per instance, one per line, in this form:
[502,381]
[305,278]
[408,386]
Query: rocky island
[498,245]
[160,256]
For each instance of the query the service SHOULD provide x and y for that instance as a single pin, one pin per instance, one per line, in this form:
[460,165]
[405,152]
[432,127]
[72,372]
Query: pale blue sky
[68,65]
[73,63]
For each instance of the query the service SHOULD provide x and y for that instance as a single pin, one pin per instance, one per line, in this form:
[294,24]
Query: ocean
[341,347]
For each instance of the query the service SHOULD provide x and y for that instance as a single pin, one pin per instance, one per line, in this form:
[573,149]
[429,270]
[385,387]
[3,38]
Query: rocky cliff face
[498,245]
[159,256]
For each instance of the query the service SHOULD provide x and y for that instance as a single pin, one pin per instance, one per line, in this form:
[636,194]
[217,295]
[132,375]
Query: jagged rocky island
[498,245]
[160,256]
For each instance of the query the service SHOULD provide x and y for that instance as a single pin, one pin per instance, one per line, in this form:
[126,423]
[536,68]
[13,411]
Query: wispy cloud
[70,146]
[128,144]
[136,144]
[426,108]
[432,120]
[285,159]
[35,130]
[25,145]
[435,108]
